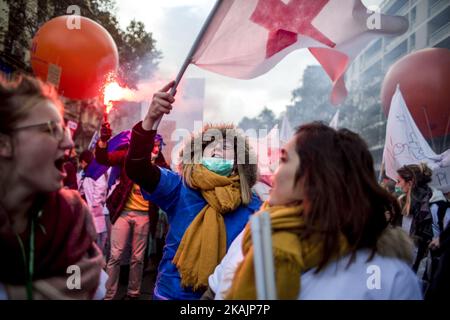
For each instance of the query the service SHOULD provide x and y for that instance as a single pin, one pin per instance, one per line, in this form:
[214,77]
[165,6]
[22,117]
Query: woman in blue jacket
[208,203]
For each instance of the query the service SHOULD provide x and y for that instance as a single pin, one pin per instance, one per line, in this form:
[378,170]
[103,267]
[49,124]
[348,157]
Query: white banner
[335,121]
[286,131]
[406,145]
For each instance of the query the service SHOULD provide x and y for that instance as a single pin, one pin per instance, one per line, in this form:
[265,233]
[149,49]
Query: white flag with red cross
[246,38]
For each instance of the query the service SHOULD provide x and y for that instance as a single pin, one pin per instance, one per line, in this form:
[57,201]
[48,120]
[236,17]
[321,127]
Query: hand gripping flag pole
[188,59]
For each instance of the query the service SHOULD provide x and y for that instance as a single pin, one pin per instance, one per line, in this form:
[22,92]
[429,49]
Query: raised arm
[138,165]
[106,158]
[102,155]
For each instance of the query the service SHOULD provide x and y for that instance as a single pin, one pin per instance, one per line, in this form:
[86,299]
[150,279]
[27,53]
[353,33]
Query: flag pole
[258,258]
[261,229]
[269,269]
[194,47]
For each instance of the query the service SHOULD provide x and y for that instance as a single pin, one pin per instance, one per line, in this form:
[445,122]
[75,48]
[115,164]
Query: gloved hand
[105,132]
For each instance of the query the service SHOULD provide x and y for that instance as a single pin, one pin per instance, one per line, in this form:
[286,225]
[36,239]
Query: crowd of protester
[331,219]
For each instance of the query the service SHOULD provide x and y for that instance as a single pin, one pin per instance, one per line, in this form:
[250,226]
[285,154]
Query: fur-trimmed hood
[196,143]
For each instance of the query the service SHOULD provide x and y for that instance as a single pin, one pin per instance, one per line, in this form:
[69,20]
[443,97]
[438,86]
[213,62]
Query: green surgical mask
[220,166]
[398,190]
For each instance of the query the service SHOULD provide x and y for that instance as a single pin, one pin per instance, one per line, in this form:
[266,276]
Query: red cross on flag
[246,38]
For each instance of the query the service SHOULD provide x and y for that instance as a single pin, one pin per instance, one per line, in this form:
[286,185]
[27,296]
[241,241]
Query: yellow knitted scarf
[293,254]
[204,243]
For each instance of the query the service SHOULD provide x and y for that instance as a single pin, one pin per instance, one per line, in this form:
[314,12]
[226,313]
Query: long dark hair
[341,187]
[420,175]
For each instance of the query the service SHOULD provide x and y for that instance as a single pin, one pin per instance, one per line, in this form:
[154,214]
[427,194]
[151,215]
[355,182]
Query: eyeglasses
[58,130]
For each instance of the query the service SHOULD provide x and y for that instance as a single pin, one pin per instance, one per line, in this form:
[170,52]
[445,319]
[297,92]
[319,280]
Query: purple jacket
[119,197]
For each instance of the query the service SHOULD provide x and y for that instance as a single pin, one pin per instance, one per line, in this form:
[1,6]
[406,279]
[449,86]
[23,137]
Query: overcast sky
[176,23]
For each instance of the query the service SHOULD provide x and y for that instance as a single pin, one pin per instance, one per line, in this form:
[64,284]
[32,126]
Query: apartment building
[429,27]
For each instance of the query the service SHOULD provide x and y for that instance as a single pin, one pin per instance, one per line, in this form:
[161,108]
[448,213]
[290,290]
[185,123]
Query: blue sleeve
[167,192]
[447,218]
[435,223]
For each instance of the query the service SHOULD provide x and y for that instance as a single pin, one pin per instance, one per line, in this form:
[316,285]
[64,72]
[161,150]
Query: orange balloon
[85,55]
[424,78]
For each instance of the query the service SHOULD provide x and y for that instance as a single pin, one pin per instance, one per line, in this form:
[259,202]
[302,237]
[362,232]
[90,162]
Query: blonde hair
[197,144]
[407,207]
[18,98]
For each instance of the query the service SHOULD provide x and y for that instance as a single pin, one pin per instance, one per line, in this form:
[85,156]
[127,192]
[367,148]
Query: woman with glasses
[47,237]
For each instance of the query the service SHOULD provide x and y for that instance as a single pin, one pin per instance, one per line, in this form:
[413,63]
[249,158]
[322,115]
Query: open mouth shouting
[59,164]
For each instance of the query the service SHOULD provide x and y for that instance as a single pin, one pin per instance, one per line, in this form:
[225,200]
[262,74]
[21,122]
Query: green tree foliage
[249,123]
[311,101]
[266,119]
[138,56]
[360,112]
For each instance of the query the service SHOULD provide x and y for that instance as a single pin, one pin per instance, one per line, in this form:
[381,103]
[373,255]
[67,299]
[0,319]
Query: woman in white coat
[334,241]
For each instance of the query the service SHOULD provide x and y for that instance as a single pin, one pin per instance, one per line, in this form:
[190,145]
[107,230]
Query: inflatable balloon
[424,78]
[80,56]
